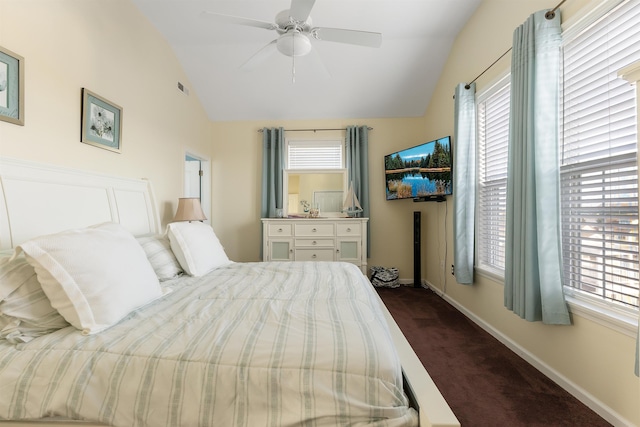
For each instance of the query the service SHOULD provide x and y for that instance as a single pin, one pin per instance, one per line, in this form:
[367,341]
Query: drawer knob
[314,242]
[314,256]
[349,230]
[279,230]
[314,230]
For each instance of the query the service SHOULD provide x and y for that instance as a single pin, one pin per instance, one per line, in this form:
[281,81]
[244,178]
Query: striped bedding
[248,344]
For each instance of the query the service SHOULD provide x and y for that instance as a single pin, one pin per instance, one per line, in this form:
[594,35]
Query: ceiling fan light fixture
[294,43]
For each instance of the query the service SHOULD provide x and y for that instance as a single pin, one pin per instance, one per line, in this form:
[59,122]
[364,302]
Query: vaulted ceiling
[335,80]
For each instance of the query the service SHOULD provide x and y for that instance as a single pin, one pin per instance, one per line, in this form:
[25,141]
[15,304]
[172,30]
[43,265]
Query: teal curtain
[273,161]
[464,175]
[533,269]
[357,156]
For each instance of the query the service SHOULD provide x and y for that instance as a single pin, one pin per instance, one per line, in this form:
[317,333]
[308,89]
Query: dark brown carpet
[484,382]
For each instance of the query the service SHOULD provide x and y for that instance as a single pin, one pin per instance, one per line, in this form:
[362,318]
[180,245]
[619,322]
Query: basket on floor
[384,277]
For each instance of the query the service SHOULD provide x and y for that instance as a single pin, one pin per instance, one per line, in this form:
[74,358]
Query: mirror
[306,189]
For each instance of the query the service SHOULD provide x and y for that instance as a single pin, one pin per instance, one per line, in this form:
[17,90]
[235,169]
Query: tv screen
[423,171]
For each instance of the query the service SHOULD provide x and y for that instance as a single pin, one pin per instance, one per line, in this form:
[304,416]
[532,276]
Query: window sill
[618,319]
[495,275]
[623,321]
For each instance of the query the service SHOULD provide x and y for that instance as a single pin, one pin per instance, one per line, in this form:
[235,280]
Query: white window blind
[493,139]
[314,154]
[599,175]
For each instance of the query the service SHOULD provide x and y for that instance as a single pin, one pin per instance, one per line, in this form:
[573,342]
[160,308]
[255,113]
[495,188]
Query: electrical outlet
[452,270]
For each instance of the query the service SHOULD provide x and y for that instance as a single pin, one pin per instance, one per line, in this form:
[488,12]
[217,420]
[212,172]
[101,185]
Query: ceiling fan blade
[361,38]
[228,19]
[260,56]
[300,9]
[319,65]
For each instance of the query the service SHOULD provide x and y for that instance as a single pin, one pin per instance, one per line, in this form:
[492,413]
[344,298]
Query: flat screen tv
[422,172]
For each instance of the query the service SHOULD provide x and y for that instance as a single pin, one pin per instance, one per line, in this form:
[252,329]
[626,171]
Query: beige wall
[107,47]
[110,49]
[595,358]
[237,166]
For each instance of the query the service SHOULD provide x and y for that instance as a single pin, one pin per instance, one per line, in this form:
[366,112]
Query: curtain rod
[549,15]
[312,130]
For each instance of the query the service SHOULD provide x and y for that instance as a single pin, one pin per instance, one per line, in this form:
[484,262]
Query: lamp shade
[189,209]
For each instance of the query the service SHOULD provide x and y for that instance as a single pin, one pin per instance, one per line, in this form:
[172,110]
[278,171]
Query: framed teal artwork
[101,122]
[11,87]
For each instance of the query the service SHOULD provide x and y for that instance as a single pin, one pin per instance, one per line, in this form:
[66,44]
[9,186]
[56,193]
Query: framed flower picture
[11,87]
[101,122]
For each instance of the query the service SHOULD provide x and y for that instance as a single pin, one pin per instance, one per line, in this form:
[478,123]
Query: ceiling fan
[294,29]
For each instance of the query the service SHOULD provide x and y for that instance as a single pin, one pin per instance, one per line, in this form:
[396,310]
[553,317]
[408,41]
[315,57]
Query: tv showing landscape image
[423,171]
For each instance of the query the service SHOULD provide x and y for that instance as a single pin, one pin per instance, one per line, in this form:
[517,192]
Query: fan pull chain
[293,64]
[293,69]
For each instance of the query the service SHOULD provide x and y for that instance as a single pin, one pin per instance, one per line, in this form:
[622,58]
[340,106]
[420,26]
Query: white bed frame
[37,199]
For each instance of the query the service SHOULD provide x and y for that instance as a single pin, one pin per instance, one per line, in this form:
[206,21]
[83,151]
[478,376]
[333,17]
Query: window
[315,176]
[313,154]
[599,175]
[493,138]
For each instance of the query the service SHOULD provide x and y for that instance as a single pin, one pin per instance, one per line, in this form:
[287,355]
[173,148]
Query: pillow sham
[25,310]
[197,247]
[161,257]
[93,276]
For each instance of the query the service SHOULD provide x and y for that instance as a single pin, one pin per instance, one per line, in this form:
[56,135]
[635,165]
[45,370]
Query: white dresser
[315,239]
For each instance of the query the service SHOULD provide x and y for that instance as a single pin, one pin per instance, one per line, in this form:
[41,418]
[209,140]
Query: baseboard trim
[578,392]
[409,282]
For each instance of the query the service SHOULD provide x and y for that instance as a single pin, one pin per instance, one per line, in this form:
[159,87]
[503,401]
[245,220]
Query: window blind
[314,155]
[599,174]
[493,139]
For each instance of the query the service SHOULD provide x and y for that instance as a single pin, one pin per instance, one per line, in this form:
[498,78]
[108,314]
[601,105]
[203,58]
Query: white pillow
[25,311]
[93,276]
[160,255]
[197,247]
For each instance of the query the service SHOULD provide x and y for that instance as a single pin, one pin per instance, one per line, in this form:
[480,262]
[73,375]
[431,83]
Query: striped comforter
[248,344]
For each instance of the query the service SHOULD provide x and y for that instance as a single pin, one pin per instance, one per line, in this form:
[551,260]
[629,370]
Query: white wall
[110,49]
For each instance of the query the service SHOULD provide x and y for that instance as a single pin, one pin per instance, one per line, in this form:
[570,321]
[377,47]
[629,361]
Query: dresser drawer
[320,254]
[315,239]
[315,243]
[348,229]
[284,230]
[320,229]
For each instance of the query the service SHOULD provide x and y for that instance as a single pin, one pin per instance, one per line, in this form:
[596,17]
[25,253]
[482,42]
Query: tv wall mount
[439,198]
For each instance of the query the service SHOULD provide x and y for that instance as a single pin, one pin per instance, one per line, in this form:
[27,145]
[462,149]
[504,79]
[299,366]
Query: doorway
[197,181]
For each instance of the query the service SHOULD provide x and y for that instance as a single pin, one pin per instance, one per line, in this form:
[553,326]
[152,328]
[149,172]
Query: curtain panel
[533,271]
[464,181]
[273,162]
[357,157]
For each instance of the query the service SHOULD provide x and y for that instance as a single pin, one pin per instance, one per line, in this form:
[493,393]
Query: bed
[241,344]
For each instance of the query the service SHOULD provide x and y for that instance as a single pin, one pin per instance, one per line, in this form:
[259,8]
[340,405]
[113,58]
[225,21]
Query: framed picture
[11,87]
[101,122]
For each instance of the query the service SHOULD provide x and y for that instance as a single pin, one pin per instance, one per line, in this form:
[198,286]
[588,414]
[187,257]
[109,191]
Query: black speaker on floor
[417,282]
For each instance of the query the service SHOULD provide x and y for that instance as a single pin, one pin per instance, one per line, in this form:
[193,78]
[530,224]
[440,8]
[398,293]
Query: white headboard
[37,199]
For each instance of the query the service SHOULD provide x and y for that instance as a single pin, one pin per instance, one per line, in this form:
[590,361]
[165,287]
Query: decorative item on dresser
[317,239]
